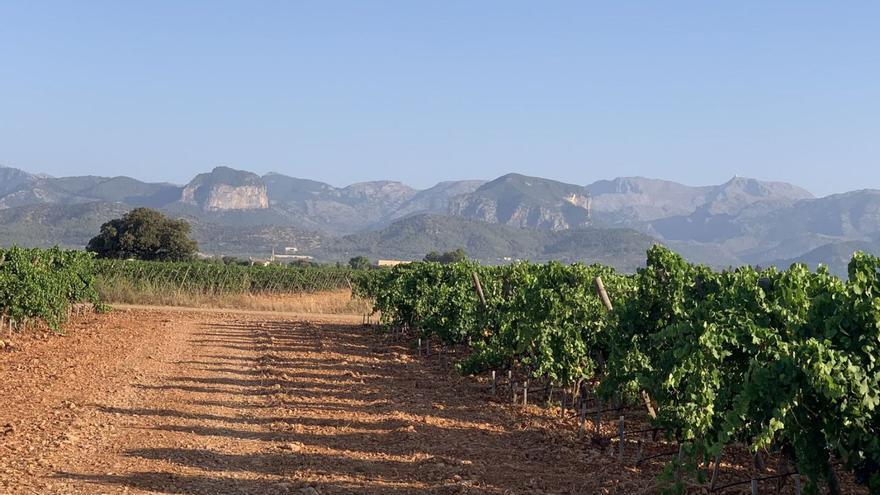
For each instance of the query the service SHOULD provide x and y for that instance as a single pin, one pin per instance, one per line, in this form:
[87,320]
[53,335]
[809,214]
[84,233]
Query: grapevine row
[221,279]
[41,284]
[780,360]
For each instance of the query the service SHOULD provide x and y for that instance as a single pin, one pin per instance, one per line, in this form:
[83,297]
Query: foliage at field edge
[201,277]
[786,361]
[41,284]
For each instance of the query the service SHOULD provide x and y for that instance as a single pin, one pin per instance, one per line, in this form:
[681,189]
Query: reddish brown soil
[178,402]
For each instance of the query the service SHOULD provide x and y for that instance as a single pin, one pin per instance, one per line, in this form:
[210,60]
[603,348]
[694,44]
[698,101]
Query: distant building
[278,258]
[391,262]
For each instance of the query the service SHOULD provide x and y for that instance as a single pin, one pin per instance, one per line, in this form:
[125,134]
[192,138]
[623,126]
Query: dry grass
[327,302]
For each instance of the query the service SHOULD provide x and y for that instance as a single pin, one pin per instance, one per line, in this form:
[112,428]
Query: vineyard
[38,285]
[785,362]
[781,363]
[200,277]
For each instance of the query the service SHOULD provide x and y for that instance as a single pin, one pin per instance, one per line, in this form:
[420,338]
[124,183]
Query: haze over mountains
[514,216]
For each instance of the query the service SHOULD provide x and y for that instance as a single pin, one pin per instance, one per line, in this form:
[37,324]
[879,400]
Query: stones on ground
[69,437]
[293,446]
[309,491]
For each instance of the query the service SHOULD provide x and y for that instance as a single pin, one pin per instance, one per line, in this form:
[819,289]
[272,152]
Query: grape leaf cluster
[42,283]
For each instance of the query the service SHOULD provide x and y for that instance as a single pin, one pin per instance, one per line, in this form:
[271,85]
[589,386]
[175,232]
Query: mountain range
[236,212]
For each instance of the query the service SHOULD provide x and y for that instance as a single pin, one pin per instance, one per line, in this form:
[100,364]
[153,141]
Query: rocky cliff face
[226,189]
[223,197]
[220,197]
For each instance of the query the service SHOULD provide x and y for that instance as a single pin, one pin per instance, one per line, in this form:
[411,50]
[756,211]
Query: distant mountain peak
[631,185]
[524,201]
[512,176]
[517,178]
[741,192]
[759,187]
[225,188]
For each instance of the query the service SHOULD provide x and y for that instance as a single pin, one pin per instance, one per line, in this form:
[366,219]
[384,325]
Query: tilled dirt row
[158,401]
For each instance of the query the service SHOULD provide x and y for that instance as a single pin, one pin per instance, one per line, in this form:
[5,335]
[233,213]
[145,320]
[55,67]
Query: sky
[419,91]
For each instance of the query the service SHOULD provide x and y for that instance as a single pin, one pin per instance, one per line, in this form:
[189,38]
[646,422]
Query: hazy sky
[424,91]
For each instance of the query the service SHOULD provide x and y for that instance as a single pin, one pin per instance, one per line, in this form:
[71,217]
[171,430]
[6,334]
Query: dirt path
[274,315]
[180,402]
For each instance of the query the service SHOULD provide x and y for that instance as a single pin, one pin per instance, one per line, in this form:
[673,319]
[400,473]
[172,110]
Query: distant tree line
[447,257]
[147,234]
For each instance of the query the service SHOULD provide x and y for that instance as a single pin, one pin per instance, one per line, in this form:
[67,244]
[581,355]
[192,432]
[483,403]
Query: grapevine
[787,361]
[221,279]
[41,284]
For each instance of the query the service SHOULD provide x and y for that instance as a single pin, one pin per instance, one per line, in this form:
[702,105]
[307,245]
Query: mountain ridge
[740,221]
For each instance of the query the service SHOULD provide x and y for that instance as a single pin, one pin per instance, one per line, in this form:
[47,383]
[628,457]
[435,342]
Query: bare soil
[174,401]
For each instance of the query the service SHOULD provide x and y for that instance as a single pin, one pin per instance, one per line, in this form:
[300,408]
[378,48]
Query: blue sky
[425,91]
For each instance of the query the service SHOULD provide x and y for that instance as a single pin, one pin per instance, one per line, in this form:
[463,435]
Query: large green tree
[359,263]
[144,234]
[447,257]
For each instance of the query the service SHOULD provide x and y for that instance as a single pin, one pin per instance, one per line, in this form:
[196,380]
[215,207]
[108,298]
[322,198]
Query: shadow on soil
[334,407]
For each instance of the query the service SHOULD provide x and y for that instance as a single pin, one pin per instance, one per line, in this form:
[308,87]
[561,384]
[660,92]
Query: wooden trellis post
[479,288]
[603,295]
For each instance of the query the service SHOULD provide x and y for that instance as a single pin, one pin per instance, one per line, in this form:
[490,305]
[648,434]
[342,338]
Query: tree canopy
[144,234]
[447,257]
[359,263]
